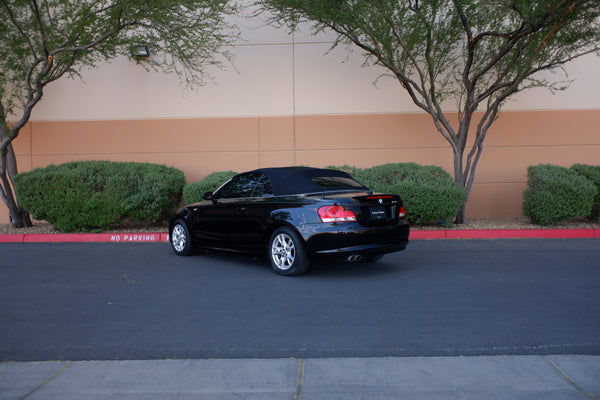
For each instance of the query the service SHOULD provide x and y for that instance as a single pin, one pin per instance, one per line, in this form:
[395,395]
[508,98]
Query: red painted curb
[506,234]
[521,233]
[152,237]
[156,237]
[435,234]
[11,238]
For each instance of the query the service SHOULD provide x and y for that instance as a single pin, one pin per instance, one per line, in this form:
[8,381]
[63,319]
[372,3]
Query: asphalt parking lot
[445,319]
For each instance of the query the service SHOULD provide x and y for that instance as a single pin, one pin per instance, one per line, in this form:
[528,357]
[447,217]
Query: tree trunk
[19,218]
[459,177]
[460,217]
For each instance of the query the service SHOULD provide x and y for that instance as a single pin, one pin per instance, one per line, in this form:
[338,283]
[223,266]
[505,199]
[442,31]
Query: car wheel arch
[281,224]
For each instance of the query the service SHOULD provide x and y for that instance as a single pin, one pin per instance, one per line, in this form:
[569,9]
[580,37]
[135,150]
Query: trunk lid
[376,209]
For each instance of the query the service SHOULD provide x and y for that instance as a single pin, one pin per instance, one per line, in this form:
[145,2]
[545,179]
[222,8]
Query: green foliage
[93,195]
[192,193]
[556,194]
[591,172]
[429,192]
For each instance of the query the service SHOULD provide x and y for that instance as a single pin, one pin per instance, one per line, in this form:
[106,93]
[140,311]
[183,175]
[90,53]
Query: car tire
[286,252]
[181,242]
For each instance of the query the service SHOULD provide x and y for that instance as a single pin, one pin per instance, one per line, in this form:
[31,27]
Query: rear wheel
[180,238]
[286,252]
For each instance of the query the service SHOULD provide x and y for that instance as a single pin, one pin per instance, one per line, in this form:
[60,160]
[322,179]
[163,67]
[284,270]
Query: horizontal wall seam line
[531,146]
[373,148]
[225,151]
[321,149]
[280,44]
[148,152]
[390,113]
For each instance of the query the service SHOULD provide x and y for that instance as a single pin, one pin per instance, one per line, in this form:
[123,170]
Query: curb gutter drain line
[580,389]
[300,377]
[47,381]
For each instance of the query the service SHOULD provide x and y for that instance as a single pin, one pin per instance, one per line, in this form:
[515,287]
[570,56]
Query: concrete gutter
[154,237]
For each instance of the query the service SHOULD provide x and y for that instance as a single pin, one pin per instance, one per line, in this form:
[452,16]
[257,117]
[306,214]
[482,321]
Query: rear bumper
[349,238]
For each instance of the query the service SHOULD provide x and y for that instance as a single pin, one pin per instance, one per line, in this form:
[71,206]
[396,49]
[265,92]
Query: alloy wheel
[283,251]
[179,238]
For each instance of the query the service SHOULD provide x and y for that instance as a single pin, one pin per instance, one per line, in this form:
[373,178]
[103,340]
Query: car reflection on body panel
[293,214]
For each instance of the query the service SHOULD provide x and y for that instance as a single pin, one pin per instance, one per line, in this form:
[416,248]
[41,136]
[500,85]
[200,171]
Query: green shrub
[556,194]
[94,195]
[592,173]
[429,192]
[192,193]
[430,202]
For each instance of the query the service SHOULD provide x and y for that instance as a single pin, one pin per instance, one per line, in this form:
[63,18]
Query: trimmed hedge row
[556,194]
[94,195]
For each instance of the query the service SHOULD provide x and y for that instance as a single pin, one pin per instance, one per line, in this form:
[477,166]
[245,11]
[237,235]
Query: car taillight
[336,214]
[402,212]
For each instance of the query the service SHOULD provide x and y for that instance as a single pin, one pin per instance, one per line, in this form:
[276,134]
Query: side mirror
[210,196]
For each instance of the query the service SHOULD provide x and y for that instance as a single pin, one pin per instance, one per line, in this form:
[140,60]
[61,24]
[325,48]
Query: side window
[263,187]
[240,186]
[246,185]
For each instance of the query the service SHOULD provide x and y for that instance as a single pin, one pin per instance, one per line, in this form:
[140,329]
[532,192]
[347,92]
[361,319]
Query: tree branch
[19,28]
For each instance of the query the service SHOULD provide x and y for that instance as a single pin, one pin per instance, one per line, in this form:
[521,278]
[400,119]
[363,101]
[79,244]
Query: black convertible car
[292,214]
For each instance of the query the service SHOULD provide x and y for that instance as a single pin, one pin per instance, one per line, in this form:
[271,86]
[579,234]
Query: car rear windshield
[336,183]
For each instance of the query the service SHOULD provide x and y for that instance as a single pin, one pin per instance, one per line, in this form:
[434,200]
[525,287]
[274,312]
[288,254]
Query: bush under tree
[429,193]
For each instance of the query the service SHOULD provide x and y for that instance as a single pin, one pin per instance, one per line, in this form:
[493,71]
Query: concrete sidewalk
[477,378]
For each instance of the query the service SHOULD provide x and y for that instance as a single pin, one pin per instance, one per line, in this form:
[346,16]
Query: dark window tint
[254,184]
[336,182]
[263,187]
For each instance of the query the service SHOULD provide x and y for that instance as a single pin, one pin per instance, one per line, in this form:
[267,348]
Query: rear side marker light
[402,212]
[336,214]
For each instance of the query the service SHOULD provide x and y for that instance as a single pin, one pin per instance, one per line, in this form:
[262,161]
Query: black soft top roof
[298,180]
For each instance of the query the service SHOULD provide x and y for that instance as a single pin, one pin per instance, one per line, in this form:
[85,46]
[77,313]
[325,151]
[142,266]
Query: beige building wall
[285,102]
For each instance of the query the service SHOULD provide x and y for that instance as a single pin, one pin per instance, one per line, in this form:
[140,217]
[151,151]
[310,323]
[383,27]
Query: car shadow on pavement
[326,268]
[318,268]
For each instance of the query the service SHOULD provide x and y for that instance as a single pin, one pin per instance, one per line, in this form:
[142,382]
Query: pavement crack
[566,377]
[300,378]
[46,381]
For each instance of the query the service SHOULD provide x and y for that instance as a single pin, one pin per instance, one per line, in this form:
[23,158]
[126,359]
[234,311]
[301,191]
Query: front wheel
[180,238]
[286,252]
